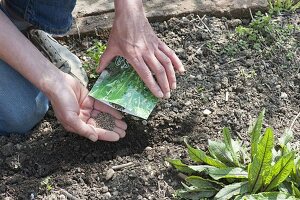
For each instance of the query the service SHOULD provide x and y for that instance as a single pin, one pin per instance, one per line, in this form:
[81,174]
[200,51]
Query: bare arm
[70,101]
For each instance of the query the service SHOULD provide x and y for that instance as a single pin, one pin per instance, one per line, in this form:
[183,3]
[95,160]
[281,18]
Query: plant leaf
[296,191]
[232,190]
[229,145]
[205,184]
[286,138]
[280,171]
[261,164]
[194,194]
[229,172]
[255,133]
[219,151]
[267,196]
[198,155]
[180,166]
[201,168]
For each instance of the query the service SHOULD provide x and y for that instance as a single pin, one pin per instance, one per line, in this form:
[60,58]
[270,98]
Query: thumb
[105,59]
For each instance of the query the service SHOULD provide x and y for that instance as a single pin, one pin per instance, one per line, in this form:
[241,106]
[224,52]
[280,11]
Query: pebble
[109,174]
[168,105]
[144,122]
[107,195]
[115,193]
[206,112]
[192,76]
[283,95]
[188,103]
[104,189]
[148,148]
[199,77]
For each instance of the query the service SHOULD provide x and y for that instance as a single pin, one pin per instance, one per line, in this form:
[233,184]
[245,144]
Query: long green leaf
[194,194]
[198,155]
[180,166]
[205,184]
[261,164]
[232,190]
[229,146]
[295,7]
[219,151]
[280,171]
[296,191]
[229,172]
[267,196]
[286,138]
[255,133]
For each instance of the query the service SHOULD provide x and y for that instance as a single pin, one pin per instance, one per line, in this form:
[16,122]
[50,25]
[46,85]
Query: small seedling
[229,171]
[93,54]
[46,184]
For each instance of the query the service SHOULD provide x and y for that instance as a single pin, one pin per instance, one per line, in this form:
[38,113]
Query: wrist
[51,81]
[123,8]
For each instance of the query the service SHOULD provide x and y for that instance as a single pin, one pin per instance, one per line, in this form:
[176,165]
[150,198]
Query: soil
[50,163]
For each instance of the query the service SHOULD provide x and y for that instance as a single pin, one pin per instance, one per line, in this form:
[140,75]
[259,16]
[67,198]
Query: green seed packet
[120,87]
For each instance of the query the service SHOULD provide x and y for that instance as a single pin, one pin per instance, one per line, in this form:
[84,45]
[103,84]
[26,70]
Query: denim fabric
[22,105]
[52,16]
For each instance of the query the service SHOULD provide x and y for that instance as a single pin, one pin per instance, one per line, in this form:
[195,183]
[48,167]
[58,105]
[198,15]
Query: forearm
[123,8]
[20,53]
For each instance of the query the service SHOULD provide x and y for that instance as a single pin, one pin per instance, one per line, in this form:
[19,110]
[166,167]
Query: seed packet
[120,87]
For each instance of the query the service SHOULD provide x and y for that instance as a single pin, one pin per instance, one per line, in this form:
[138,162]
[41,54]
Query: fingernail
[160,95]
[93,138]
[173,87]
[168,95]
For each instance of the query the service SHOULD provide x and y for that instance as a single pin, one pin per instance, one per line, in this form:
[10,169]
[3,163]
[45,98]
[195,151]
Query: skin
[131,37]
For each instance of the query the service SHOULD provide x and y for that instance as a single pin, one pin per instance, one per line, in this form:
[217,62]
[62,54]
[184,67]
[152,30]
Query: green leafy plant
[93,55]
[47,184]
[278,6]
[229,171]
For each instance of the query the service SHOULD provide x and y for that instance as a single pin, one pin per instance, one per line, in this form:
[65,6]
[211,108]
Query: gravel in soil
[213,93]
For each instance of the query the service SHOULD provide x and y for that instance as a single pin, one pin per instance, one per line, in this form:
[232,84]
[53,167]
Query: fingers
[160,73]
[75,124]
[172,56]
[105,59]
[143,71]
[169,69]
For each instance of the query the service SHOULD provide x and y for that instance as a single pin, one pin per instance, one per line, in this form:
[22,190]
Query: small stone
[283,95]
[168,105]
[150,157]
[107,195]
[148,148]
[206,112]
[192,76]
[104,189]
[217,67]
[278,86]
[109,174]
[199,77]
[188,103]
[115,193]
[144,122]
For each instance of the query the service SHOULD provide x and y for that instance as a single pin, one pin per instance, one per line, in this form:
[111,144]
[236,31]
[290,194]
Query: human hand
[77,111]
[133,38]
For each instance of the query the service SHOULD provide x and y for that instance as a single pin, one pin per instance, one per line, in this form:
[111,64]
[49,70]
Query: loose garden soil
[228,88]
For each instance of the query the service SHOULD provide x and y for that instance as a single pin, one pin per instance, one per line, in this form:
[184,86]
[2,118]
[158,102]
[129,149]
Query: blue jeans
[22,105]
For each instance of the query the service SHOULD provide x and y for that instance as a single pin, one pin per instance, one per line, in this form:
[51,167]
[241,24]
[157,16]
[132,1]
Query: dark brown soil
[80,167]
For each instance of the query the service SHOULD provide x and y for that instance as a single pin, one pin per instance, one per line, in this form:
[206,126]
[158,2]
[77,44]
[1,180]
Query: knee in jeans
[24,118]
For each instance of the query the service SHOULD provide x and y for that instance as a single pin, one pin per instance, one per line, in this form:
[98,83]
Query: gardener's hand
[133,38]
[76,111]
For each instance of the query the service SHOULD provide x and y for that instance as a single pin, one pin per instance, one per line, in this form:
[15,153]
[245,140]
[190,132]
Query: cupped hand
[77,111]
[133,38]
